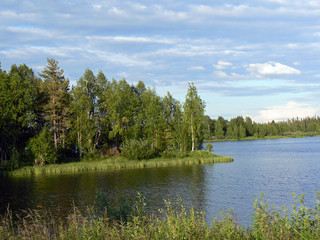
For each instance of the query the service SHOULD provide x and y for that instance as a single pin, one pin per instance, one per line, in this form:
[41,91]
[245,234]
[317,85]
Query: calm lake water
[276,167]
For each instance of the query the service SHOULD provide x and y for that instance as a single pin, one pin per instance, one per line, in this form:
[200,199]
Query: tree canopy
[45,120]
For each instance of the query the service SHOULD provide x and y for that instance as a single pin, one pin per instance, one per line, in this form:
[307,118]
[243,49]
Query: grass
[112,163]
[285,135]
[173,222]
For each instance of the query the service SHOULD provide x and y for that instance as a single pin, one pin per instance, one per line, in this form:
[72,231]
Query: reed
[113,163]
[172,222]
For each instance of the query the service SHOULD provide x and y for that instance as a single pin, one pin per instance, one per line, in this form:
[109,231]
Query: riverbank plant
[286,135]
[137,149]
[117,163]
[172,222]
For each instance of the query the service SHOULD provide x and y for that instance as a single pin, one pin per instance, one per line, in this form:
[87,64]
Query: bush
[137,149]
[173,154]
[200,153]
[41,149]
[209,147]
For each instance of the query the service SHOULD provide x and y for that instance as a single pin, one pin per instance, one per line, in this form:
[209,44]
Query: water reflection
[275,167]
[61,192]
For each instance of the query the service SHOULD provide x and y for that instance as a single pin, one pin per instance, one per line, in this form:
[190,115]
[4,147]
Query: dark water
[276,167]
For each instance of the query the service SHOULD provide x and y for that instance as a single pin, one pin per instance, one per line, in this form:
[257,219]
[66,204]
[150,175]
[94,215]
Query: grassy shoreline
[114,163]
[172,222]
[299,135]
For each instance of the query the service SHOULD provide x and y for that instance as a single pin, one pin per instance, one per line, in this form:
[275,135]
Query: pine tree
[57,111]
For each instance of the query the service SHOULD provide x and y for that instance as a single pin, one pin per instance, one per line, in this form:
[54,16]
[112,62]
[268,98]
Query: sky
[256,58]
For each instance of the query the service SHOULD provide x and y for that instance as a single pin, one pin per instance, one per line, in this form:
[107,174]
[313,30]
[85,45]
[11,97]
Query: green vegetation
[130,221]
[245,129]
[45,121]
[137,149]
[113,163]
[293,135]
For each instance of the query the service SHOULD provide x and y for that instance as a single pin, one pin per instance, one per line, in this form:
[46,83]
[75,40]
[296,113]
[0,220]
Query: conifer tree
[57,111]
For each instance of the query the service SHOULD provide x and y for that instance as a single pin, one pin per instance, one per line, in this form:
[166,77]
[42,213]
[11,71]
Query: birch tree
[193,115]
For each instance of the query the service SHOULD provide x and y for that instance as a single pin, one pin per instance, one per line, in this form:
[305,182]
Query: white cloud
[132,39]
[221,74]
[272,68]
[286,111]
[222,65]
[296,2]
[197,68]
[123,74]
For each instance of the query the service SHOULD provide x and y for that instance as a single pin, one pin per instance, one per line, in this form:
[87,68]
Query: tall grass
[173,222]
[198,157]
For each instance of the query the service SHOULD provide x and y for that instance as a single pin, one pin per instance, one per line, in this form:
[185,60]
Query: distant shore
[299,135]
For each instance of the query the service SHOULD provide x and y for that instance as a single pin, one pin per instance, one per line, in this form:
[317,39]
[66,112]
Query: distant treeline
[44,120]
[239,127]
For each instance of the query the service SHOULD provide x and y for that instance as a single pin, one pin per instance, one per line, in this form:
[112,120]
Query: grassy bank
[198,157]
[173,222]
[287,135]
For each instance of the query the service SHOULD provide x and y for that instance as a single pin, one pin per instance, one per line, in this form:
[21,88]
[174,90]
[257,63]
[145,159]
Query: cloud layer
[235,50]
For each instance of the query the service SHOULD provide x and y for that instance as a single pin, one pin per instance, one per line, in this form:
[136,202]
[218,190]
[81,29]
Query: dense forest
[240,128]
[45,120]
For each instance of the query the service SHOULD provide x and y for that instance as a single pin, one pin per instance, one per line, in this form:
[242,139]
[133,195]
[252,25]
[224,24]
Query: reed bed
[173,222]
[114,163]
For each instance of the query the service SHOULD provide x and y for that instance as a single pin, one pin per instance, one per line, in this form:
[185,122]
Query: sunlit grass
[199,157]
[172,222]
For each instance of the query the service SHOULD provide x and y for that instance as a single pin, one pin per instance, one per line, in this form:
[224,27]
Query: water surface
[276,167]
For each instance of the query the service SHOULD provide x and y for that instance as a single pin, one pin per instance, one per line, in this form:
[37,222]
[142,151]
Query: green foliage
[41,148]
[86,109]
[174,154]
[209,147]
[102,164]
[120,210]
[130,221]
[193,117]
[14,161]
[137,149]
[19,98]
[56,107]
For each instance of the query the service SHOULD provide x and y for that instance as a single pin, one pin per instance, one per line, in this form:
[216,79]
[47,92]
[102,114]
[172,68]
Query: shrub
[209,147]
[174,154]
[200,153]
[137,149]
[41,149]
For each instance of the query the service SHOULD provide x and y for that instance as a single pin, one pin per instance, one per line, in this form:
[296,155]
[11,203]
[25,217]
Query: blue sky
[251,58]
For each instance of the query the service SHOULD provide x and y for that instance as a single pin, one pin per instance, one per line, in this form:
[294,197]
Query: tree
[87,111]
[41,149]
[154,127]
[19,96]
[220,128]
[122,105]
[193,115]
[208,126]
[174,119]
[57,112]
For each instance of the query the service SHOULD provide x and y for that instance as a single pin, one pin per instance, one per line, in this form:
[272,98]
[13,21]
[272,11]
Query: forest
[44,120]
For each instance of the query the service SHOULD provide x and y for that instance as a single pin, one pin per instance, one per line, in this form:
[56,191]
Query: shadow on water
[276,167]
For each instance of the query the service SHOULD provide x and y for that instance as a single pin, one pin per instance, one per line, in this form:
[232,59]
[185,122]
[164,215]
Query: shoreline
[116,163]
[264,138]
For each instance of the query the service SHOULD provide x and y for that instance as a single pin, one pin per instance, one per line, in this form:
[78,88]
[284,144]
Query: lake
[276,167]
